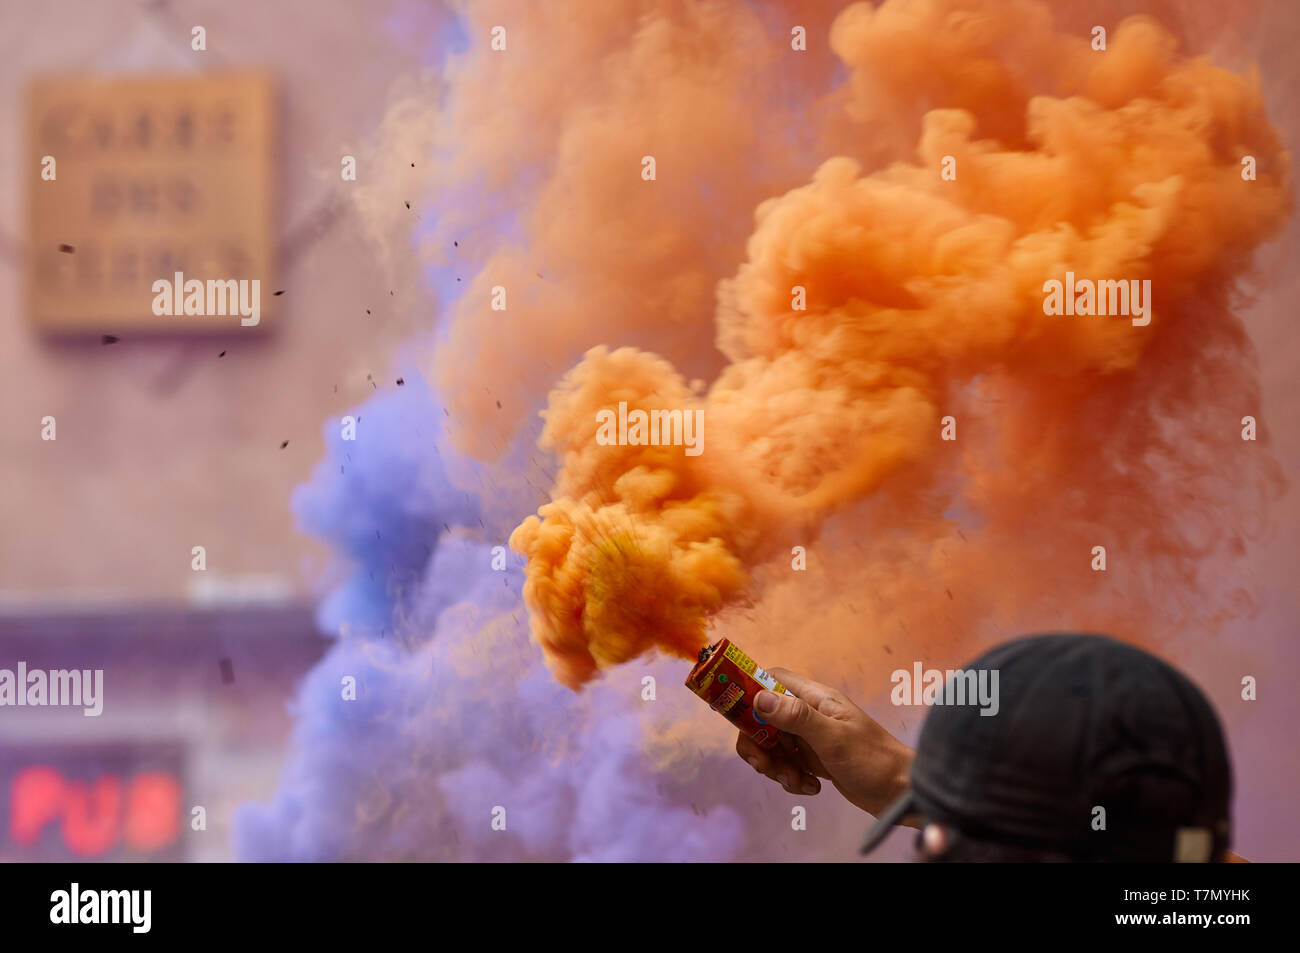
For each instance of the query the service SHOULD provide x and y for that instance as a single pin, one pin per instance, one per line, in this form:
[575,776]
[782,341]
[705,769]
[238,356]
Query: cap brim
[887,819]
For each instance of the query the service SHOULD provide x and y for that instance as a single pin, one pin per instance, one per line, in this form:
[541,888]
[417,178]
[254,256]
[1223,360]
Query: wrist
[901,781]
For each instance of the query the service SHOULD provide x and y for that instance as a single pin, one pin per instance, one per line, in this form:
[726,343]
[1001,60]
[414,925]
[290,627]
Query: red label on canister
[729,680]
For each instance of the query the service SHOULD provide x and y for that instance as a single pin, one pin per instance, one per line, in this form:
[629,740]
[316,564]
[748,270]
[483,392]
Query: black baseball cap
[1083,722]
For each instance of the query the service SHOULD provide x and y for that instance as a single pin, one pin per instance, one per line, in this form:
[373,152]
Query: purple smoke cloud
[454,713]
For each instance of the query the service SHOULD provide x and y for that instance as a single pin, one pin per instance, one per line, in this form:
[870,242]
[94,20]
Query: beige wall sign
[146,179]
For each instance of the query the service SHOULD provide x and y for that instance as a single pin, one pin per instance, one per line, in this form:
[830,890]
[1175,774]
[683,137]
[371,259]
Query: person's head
[1093,751]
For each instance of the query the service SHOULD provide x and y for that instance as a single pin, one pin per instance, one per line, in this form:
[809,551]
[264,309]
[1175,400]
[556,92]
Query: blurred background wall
[162,445]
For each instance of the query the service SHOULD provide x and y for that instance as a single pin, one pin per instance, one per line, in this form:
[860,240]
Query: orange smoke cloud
[552,132]
[873,303]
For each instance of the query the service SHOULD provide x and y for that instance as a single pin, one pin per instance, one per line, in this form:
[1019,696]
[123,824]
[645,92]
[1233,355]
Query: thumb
[791,714]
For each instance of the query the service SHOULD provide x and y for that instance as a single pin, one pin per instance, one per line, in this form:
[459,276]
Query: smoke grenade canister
[729,680]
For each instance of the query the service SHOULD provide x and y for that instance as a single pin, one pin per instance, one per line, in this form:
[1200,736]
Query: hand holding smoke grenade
[729,680]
